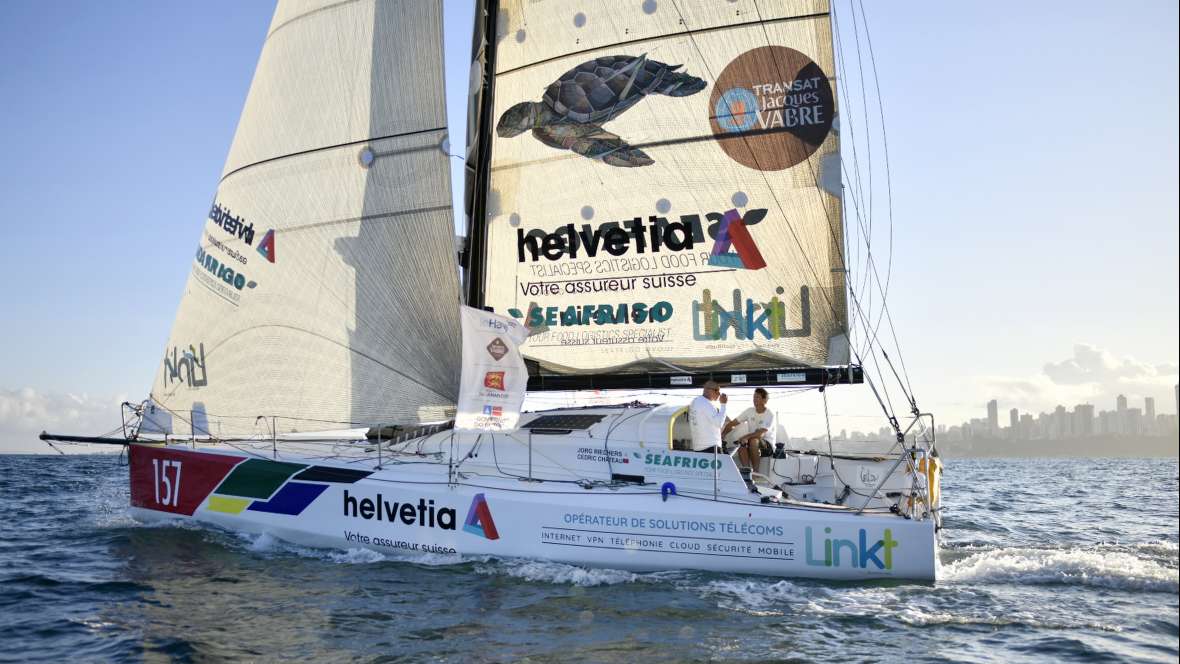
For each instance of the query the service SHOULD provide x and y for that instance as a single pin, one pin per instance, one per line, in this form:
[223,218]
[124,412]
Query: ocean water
[1042,560]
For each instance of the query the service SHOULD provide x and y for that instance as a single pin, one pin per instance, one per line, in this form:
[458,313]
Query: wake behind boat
[675,217]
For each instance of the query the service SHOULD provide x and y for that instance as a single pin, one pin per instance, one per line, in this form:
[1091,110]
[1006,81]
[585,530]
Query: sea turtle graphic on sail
[574,108]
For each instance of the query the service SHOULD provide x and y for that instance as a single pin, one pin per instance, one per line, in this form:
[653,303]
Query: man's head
[711,390]
[760,398]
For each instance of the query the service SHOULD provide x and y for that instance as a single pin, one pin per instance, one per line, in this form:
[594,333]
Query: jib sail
[323,288]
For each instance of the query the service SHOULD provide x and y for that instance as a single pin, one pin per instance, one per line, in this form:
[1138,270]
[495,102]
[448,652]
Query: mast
[483,51]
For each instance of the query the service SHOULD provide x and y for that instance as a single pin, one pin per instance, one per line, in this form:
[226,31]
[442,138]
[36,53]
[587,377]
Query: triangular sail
[663,191]
[323,289]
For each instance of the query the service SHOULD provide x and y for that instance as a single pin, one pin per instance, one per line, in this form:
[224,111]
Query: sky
[1033,155]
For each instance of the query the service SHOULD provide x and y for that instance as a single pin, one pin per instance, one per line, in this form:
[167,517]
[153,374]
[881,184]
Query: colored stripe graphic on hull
[292,499]
[258,478]
[277,487]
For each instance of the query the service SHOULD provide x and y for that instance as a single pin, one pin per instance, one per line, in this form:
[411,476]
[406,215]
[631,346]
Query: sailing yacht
[654,201]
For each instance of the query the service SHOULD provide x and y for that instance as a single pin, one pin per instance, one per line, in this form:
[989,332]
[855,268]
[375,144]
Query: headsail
[663,190]
[323,288]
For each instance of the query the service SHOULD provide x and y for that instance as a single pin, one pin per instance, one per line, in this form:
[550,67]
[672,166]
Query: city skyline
[1059,424]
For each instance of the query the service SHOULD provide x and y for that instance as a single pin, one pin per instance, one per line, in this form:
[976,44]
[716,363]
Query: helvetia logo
[733,233]
[424,514]
[267,246]
[479,519]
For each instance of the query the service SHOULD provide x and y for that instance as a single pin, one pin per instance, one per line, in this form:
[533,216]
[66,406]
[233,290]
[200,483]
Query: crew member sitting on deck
[762,425]
[706,419]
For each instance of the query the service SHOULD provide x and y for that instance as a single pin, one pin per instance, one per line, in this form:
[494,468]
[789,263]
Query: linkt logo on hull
[860,553]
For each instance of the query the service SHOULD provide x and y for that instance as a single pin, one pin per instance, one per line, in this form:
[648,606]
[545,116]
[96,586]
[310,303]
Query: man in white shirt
[763,425]
[706,418]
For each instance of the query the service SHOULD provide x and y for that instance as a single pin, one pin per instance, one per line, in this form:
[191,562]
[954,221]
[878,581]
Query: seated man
[706,419]
[763,426]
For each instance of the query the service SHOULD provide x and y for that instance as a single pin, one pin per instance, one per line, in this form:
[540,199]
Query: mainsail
[324,291]
[663,190]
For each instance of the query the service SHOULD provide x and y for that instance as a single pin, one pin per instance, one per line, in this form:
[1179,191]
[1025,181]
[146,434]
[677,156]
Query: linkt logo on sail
[479,519]
[732,232]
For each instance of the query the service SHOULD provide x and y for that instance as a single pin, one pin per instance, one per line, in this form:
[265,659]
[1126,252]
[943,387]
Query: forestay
[323,288]
[664,186]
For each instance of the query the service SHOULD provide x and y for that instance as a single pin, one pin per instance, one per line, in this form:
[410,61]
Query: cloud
[25,413]
[1090,364]
[1090,375]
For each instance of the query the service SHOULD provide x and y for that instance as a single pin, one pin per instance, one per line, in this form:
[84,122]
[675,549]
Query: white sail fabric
[323,289]
[665,185]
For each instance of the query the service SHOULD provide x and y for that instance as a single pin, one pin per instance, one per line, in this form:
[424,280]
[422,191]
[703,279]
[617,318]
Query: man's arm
[719,417]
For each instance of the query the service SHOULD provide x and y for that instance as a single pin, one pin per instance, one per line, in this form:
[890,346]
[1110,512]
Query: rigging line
[871,263]
[867,236]
[888,409]
[888,182]
[323,148]
[865,114]
[828,214]
[778,203]
[850,127]
[870,271]
[908,396]
[834,237]
[790,227]
[864,318]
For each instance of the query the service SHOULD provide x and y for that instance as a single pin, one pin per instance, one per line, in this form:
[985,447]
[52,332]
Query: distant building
[993,417]
[1149,415]
[1062,423]
[1014,424]
[1027,423]
[1083,420]
[1133,424]
[1122,404]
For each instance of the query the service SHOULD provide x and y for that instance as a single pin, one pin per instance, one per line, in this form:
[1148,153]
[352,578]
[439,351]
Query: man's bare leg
[744,454]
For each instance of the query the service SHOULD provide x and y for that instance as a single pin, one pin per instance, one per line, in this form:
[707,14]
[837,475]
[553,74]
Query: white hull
[415,508]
